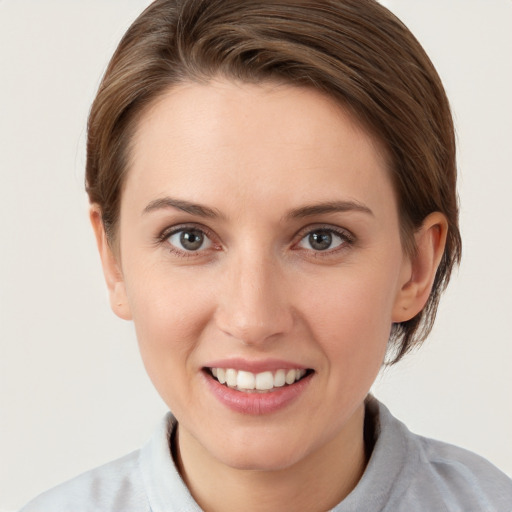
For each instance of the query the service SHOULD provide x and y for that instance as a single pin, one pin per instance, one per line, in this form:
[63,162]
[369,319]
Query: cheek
[169,312]
[160,298]
[352,317]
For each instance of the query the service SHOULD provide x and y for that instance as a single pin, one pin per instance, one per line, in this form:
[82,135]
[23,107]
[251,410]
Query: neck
[317,482]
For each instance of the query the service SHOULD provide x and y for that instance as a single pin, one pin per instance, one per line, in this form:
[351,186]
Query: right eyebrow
[180,204]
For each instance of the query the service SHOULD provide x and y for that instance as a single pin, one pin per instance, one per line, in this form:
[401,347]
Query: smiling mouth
[264,382]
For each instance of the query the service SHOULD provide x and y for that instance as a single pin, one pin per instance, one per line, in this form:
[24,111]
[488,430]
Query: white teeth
[264,381]
[221,375]
[280,378]
[245,380]
[290,376]
[231,376]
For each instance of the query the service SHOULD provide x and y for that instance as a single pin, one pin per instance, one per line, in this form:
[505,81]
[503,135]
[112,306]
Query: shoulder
[442,476]
[457,473]
[143,481]
[115,486]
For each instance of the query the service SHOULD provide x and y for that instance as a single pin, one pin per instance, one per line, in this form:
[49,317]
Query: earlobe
[111,268]
[421,268]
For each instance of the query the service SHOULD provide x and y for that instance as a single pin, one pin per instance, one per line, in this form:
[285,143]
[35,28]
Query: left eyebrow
[328,207]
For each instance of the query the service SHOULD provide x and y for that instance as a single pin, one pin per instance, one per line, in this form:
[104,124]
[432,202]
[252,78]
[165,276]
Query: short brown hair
[355,51]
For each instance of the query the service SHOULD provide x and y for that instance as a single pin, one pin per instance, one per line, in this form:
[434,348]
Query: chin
[274,462]
[271,455]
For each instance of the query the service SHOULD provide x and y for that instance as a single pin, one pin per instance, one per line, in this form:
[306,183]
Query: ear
[420,269]
[111,267]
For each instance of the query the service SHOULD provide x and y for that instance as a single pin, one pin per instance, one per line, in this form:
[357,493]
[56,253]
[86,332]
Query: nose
[254,305]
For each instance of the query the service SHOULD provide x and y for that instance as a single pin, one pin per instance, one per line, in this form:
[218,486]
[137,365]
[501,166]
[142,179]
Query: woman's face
[259,242]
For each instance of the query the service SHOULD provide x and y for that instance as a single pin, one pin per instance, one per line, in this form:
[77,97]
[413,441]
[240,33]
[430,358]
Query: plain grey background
[73,392]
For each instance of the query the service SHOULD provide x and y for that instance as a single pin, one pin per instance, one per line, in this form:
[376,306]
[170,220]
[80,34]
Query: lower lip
[257,403]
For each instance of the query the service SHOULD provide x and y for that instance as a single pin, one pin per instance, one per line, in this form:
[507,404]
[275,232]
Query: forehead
[294,143]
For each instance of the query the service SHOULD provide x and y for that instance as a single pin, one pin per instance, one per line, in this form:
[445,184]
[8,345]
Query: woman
[272,189]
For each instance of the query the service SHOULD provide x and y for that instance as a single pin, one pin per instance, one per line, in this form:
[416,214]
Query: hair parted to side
[355,51]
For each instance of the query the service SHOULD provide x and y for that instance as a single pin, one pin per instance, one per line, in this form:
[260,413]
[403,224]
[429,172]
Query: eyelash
[163,238]
[347,239]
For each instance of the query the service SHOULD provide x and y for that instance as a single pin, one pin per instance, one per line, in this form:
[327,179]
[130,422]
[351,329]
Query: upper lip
[255,366]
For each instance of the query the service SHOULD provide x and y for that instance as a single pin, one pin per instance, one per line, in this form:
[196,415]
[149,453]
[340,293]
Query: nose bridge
[254,304]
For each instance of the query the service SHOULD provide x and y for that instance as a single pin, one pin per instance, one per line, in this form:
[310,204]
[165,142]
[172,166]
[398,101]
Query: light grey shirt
[406,473]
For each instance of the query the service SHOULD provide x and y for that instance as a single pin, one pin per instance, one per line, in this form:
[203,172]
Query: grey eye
[189,240]
[321,240]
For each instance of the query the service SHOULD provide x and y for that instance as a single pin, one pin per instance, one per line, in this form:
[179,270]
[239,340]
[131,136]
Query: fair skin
[259,232]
